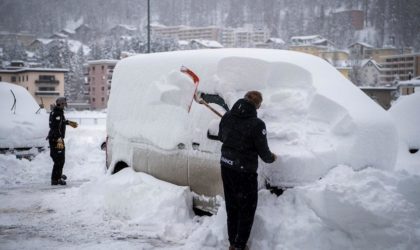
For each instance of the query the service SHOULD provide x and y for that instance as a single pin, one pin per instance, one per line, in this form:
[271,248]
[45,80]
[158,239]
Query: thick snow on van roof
[316,118]
[21,125]
[405,112]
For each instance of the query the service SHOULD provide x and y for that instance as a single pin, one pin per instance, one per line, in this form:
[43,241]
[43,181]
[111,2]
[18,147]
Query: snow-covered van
[24,125]
[316,118]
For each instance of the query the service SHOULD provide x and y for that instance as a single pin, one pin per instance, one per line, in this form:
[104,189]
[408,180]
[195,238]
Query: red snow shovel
[196,96]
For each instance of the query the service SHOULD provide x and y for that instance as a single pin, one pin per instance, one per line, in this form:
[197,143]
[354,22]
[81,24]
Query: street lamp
[148,26]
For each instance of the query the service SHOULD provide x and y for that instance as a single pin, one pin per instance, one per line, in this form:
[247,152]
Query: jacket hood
[243,108]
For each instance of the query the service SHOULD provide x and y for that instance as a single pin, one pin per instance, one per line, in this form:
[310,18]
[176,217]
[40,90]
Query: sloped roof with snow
[309,40]
[207,43]
[275,40]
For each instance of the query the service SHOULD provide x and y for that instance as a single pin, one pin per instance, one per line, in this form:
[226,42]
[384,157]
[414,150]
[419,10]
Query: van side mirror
[211,136]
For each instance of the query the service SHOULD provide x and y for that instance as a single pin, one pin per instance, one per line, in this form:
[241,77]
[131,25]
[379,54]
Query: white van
[24,125]
[316,119]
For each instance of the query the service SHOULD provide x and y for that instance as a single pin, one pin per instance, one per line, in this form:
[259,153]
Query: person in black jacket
[57,123]
[244,138]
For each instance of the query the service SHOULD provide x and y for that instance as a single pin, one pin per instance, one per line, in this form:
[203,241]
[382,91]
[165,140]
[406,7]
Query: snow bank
[316,119]
[140,198]
[368,209]
[405,112]
[347,209]
[21,125]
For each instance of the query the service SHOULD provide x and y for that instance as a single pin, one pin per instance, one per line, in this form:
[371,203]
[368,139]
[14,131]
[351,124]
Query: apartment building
[44,84]
[166,31]
[228,38]
[379,54]
[260,35]
[339,59]
[186,32]
[314,45]
[204,33]
[99,76]
[243,38]
[358,50]
[309,49]
[400,67]
[247,36]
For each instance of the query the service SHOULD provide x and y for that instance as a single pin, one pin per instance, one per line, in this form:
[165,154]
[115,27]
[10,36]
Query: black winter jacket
[57,124]
[244,138]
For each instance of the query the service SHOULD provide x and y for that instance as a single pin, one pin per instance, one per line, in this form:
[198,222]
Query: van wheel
[119,166]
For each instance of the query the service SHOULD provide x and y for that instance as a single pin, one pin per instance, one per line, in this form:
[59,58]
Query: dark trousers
[58,157]
[241,197]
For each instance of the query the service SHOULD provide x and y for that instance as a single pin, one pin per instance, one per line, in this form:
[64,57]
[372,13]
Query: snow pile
[369,209]
[132,197]
[21,125]
[316,119]
[347,209]
[405,112]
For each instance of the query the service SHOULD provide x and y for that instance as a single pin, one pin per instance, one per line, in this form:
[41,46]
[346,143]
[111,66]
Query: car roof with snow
[23,124]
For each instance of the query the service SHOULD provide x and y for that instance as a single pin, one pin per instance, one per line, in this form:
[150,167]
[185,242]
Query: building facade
[381,95]
[379,54]
[370,73]
[400,67]
[99,76]
[247,36]
[44,84]
[354,17]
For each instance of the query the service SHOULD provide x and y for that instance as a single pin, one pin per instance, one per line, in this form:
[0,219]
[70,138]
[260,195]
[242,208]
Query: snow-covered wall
[316,119]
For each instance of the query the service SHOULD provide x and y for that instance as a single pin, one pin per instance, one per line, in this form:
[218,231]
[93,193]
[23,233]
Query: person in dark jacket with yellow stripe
[244,138]
[57,123]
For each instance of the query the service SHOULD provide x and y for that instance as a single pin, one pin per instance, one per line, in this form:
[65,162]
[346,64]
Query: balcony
[47,93]
[47,81]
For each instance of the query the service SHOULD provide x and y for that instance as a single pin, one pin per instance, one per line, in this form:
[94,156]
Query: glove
[60,144]
[275,156]
[73,124]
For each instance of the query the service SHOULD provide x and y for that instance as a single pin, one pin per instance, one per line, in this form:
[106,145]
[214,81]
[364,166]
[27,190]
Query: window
[0,78]
[46,77]
[102,67]
[46,89]
[103,99]
[103,88]
[93,99]
[27,78]
[13,79]
[93,68]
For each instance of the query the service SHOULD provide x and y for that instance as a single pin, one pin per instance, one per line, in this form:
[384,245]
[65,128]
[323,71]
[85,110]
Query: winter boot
[61,182]
[64,177]
[58,182]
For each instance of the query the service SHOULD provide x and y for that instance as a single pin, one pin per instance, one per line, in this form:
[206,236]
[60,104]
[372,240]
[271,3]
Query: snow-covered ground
[347,209]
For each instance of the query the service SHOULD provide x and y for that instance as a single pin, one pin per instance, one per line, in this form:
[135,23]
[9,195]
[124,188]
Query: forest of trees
[387,22]
[398,19]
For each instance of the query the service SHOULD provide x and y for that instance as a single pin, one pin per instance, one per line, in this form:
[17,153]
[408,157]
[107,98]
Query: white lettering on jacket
[227,161]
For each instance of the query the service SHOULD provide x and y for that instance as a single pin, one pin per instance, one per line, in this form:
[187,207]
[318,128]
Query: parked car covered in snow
[316,119]
[24,125]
